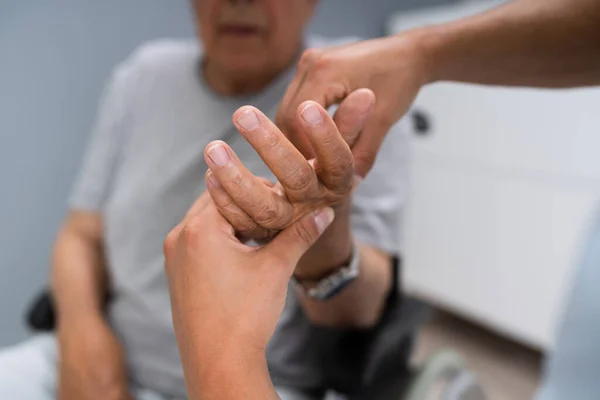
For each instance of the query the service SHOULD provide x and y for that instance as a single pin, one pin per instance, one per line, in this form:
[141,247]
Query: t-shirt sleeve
[96,175]
[380,198]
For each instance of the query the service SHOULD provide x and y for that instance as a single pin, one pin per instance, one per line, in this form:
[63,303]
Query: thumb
[367,146]
[353,113]
[293,241]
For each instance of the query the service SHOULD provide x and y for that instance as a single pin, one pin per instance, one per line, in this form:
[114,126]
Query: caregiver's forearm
[548,43]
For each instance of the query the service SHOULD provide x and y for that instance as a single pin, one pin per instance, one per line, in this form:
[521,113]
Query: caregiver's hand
[258,209]
[227,298]
[393,68]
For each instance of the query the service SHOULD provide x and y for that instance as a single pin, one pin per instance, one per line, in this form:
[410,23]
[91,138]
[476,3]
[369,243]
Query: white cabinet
[502,189]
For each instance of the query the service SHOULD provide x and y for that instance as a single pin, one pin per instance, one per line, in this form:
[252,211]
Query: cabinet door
[551,135]
[502,188]
[497,248]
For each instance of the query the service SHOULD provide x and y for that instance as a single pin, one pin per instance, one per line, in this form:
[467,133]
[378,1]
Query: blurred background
[503,181]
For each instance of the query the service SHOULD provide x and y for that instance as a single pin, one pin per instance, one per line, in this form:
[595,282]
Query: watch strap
[335,282]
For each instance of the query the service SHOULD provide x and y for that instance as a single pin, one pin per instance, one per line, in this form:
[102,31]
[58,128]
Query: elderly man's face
[246,36]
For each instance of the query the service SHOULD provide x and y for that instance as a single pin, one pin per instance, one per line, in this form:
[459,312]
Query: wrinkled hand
[258,209]
[393,68]
[92,363]
[227,297]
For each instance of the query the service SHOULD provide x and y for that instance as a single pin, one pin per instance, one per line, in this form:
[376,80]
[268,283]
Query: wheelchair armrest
[40,315]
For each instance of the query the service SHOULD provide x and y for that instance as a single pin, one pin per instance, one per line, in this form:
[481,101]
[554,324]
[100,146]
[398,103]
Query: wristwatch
[332,284]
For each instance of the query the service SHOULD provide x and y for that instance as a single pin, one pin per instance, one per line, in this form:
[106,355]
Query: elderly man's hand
[92,362]
[258,209]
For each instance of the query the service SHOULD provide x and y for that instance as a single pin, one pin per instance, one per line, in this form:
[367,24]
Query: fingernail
[323,218]
[213,180]
[248,120]
[363,107]
[218,155]
[312,115]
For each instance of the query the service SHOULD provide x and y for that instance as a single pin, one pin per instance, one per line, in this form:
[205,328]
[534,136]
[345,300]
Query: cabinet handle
[421,123]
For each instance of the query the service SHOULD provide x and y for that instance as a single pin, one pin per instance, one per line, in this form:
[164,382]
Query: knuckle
[191,234]
[271,140]
[308,58]
[237,181]
[322,61]
[340,173]
[365,159]
[169,243]
[226,205]
[269,216]
[334,93]
[300,182]
[343,183]
[236,217]
[306,230]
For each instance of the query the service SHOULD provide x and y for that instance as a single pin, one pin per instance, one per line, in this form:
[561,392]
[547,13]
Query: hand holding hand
[227,297]
[258,209]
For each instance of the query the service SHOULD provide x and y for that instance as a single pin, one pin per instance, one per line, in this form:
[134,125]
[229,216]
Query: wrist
[332,250]
[423,46]
[225,374]
[309,278]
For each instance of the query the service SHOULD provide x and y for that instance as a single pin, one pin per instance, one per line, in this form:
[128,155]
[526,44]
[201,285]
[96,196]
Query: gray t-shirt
[143,169]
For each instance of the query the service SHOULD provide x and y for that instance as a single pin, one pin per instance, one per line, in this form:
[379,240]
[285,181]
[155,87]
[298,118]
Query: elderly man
[144,168]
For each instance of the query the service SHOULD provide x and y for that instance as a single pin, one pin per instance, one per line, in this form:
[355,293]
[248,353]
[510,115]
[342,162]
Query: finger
[285,161]
[320,84]
[351,117]
[315,91]
[286,113]
[244,225]
[366,147]
[283,116]
[335,165]
[295,240]
[261,203]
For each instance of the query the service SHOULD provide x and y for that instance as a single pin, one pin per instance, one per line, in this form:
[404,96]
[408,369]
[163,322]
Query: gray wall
[363,18]
[54,57]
